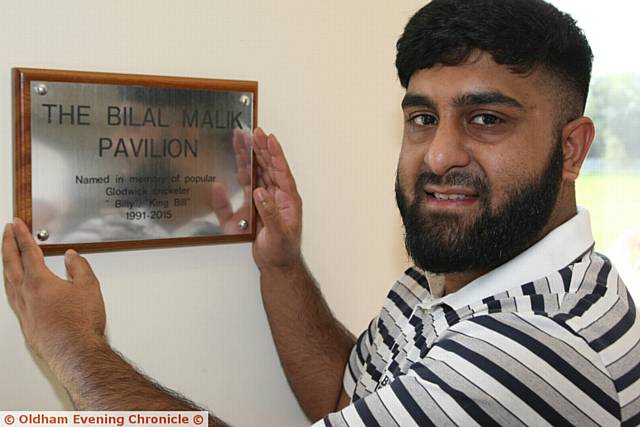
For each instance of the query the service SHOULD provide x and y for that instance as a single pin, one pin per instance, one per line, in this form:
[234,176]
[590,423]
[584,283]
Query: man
[508,318]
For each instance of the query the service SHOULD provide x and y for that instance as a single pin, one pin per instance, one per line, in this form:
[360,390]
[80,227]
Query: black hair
[521,34]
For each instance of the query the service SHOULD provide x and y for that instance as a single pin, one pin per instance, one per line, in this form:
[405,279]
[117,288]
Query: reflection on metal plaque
[107,161]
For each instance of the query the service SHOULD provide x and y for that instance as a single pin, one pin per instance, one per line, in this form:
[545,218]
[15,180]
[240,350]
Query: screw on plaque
[245,100]
[243,224]
[42,235]
[41,89]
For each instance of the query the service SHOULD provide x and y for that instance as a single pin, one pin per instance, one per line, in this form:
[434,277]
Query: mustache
[454,178]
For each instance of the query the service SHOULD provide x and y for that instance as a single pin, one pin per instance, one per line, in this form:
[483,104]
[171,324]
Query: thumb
[267,210]
[78,267]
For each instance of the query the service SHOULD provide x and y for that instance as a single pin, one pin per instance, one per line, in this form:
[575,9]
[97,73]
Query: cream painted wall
[192,317]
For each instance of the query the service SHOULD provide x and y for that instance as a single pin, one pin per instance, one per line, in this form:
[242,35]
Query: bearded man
[508,317]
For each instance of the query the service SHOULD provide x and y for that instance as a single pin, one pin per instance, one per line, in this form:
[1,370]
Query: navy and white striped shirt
[549,338]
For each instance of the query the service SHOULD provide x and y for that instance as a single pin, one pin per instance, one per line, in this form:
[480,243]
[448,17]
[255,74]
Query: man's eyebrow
[486,98]
[465,100]
[415,100]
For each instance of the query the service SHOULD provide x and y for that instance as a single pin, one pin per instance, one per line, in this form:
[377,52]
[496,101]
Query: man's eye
[423,120]
[486,120]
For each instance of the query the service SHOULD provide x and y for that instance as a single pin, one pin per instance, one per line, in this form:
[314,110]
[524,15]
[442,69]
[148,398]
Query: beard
[442,242]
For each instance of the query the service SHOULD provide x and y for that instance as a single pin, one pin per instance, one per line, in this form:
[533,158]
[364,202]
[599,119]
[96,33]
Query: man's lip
[469,192]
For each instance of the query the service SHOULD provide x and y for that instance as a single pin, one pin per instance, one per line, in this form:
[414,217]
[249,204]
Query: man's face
[480,166]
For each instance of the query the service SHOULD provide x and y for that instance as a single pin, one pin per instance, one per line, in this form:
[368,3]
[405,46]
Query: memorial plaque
[112,161]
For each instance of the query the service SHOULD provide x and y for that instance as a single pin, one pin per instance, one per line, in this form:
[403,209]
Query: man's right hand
[63,322]
[58,317]
[313,346]
[279,228]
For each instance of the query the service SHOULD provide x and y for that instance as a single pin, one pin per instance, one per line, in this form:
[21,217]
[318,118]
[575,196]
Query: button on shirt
[549,338]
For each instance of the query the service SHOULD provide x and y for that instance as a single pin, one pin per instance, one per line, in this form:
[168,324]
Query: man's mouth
[446,196]
[441,196]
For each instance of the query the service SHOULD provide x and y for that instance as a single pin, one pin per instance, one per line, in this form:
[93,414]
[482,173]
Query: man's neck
[446,283]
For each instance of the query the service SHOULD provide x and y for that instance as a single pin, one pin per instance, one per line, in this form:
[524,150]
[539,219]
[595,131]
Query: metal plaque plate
[119,162]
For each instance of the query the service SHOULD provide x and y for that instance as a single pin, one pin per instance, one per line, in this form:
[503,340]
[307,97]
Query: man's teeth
[441,196]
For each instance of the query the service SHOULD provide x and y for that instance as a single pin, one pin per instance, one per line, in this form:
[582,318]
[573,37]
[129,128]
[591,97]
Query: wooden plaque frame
[22,172]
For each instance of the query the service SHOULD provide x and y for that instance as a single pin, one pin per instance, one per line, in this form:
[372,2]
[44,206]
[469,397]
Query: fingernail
[260,195]
[68,254]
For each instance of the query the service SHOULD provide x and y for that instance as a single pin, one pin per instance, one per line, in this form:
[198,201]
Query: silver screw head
[42,235]
[243,224]
[40,89]
[245,100]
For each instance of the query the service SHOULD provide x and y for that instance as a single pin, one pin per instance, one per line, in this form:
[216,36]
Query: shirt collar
[555,251]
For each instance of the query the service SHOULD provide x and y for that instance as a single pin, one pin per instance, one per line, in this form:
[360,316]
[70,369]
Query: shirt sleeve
[357,359]
[498,369]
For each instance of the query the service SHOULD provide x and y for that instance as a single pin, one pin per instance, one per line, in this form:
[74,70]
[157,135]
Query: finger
[78,268]
[31,254]
[260,175]
[220,203]
[269,215]
[11,263]
[263,168]
[262,155]
[281,172]
[259,139]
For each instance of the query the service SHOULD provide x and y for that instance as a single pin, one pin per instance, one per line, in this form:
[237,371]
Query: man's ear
[577,136]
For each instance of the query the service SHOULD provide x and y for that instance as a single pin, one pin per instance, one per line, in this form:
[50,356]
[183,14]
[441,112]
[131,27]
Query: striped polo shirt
[548,338]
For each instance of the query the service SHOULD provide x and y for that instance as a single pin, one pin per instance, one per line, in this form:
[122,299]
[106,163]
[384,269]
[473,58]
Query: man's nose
[447,149]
